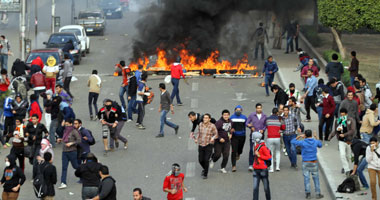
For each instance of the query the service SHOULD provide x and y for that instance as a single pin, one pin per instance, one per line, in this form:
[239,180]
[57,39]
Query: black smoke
[197,24]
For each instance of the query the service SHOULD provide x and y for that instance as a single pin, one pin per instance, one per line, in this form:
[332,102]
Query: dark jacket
[89,173]
[132,86]
[19,68]
[68,46]
[50,177]
[334,69]
[112,117]
[358,148]
[20,108]
[12,175]
[270,67]
[48,105]
[84,145]
[354,68]
[338,92]
[39,132]
[280,98]
[348,130]
[199,120]
[328,105]
[55,112]
[107,189]
[224,129]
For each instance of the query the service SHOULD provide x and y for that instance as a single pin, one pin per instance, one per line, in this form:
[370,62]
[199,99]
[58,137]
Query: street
[148,159]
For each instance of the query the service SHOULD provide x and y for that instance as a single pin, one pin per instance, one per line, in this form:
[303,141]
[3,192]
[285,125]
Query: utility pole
[35,23]
[22,29]
[72,11]
[52,15]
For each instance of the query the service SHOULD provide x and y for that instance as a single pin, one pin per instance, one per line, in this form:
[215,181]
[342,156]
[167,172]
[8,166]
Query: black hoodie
[280,98]
[358,148]
[20,108]
[19,68]
[12,175]
[107,189]
[89,173]
[224,129]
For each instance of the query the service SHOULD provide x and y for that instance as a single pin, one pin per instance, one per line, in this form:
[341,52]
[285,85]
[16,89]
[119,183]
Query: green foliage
[349,15]
[311,35]
[3,96]
[346,74]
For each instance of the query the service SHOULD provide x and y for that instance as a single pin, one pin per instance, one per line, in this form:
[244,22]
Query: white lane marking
[191,146]
[195,87]
[190,169]
[190,198]
[194,103]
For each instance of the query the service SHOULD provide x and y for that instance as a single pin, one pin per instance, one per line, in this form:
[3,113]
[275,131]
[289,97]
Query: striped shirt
[206,133]
[291,123]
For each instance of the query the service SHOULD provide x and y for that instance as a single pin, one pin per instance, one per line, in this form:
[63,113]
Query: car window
[72,30]
[43,55]
[59,39]
[90,16]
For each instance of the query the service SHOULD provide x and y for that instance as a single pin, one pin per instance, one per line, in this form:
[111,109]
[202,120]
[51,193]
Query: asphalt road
[148,159]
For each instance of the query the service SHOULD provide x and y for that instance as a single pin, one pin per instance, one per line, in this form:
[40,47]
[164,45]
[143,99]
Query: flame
[191,63]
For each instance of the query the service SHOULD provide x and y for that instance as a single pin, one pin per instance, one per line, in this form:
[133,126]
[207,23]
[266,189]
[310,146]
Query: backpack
[148,99]
[347,186]
[260,35]
[268,162]
[20,87]
[39,185]
[93,139]
[120,111]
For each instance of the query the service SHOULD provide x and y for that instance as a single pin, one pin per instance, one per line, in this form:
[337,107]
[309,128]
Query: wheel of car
[102,33]
[88,50]
[83,53]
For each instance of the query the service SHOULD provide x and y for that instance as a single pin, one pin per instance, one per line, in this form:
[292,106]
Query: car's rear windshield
[90,16]
[72,30]
[43,55]
[60,39]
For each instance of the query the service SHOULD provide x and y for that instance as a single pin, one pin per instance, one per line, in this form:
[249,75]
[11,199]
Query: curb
[320,159]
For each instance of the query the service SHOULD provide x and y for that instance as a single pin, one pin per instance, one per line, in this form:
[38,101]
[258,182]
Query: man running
[108,117]
[165,105]
[176,73]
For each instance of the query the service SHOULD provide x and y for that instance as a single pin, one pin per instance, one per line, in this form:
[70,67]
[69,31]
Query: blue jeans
[92,100]
[261,45]
[361,167]
[52,130]
[366,137]
[164,121]
[70,56]
[4,61]
[66,158]
[131,107]
[89,192]
[307,169]
[258,175]
[352,79]
[121,95]
[290,149]
[289,43]
[268,82]
[175,92]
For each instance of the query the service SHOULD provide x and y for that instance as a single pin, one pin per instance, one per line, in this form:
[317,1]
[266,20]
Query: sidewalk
[328,156]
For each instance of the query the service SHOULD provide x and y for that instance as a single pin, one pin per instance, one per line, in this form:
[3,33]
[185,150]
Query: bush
[346,74]
[311,35]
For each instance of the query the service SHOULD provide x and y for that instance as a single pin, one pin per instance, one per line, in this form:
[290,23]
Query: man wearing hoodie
[12,180]
[309,161]
[359,148]
[328,105]
[274,125]
[260,172]
[222,144]
[368,123]
[19,107]
[19,68]
[88,172]
[269,70]
[334,69]
[257,123]
[8,121]
[176,73]
[107,187]
[238,135]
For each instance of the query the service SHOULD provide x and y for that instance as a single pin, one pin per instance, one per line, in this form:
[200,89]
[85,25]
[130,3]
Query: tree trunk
[315,20]
[338,41]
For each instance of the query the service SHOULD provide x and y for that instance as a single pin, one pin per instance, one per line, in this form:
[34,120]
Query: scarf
[66,133]
[342,120]
[48,146]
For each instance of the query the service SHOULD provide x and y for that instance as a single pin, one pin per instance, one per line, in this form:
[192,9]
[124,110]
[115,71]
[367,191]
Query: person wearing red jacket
[260,169]
[176,73]
[274,126]
[36,65]
[38,82]
[328,105]
[4,81]
[35,108]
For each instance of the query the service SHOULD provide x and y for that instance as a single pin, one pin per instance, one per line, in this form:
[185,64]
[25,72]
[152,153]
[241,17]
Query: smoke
[203,26]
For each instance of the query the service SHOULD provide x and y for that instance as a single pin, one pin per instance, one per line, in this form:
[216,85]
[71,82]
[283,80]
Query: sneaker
[95,118]
[204,176]
[62,186]
[91,117]
[126,145]
[137,124]
[179,104]
[159,135]
[176,130]
[117,144]
[286,153]
[307,120]
[284,150]
[271,170]
[363,188]
[129,120]
[277,169]
[237,157]
[211,164]
[234,169]
[250,168]
[308,196]
[141,127]
[223,171]
[319,196]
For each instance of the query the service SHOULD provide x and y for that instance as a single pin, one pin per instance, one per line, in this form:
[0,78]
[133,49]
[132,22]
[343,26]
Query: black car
[111,8]
[58,40]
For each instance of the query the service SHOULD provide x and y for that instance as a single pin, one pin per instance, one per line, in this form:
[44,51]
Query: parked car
[81,34]
[92,21]
[58,40]
[111,8]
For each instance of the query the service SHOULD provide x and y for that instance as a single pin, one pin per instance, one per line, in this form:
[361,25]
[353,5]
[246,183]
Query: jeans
[309,103]
[164,121]
[89,192]
[4,61]
[296,41]
[93,99]
[131,106]
[268,82]
[219,149]
[52,130]
[175,92]
[274,144]
[289,43]
[261,45]
[373,175]
[366,137]
[307,169]
[66,158]
[258,175]
[66,86]
[38,92]
[319,111]
[119,127]
[141,112]
[345,154]
[70,55]
[204,154]
[352,79]
[122,91]
[237,144]
[290,149]
[361,167]
[322,122]
[50,84]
